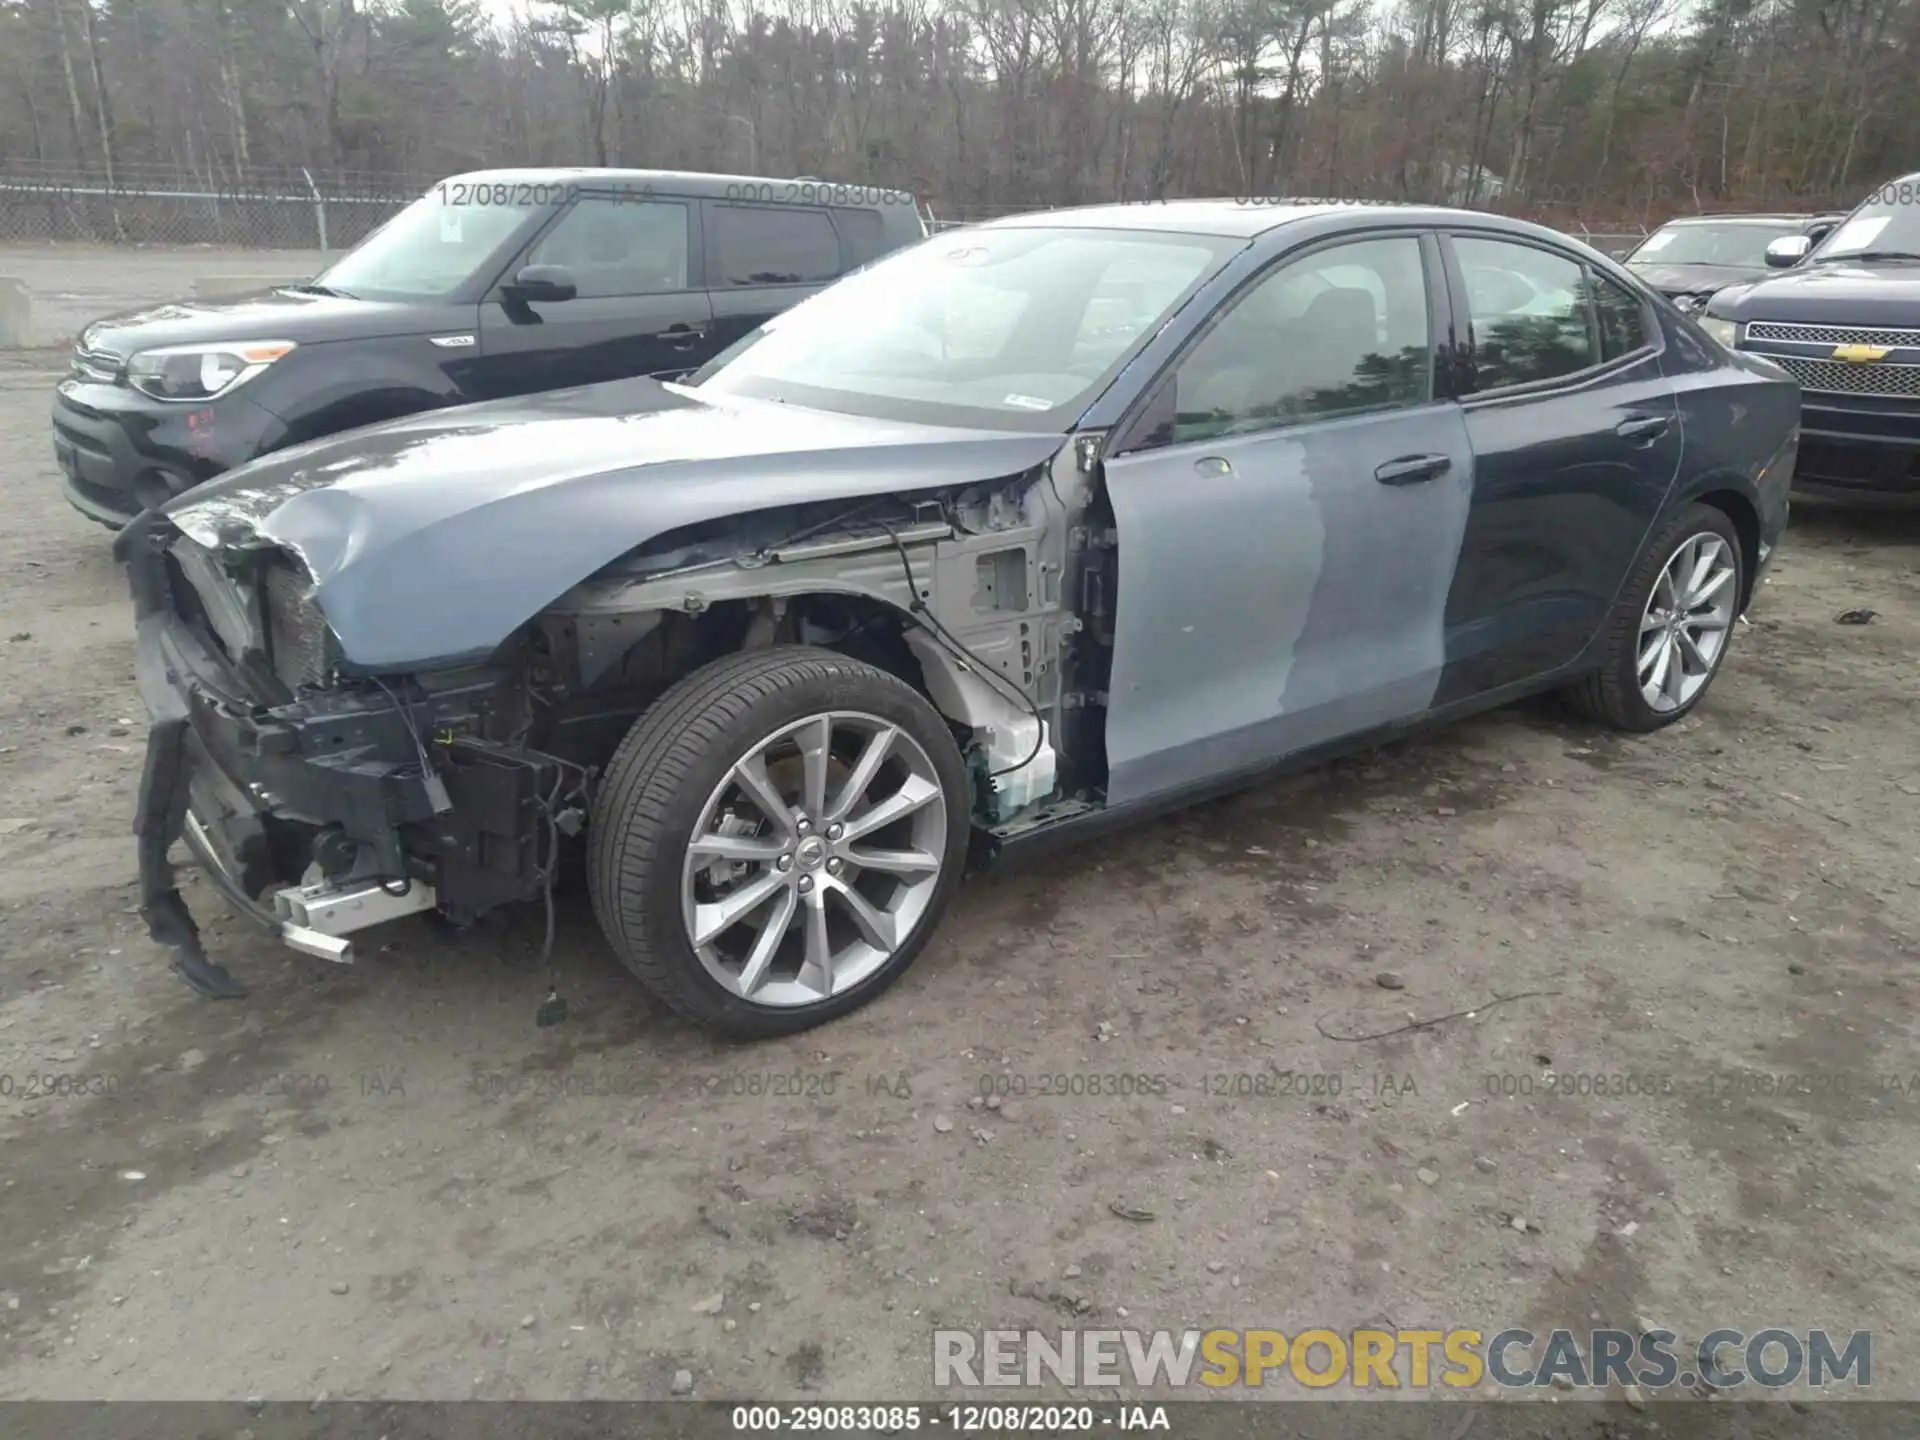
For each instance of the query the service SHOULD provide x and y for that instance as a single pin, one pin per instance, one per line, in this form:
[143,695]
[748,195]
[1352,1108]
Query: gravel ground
[385,1181]
[74,284]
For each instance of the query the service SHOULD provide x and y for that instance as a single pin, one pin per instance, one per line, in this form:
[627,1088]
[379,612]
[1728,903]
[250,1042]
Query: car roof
[1240,219]
[1745,218]
[696,184]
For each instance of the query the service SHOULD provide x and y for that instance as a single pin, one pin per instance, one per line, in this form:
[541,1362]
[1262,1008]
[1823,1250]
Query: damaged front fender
[397,522]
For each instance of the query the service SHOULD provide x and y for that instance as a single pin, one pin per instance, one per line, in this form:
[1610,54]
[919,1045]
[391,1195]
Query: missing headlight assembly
[321,803]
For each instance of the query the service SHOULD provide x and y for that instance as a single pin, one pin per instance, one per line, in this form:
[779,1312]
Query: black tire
[1611,693]
[659,780]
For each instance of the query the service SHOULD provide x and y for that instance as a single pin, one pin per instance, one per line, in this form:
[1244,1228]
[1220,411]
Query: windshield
[1008,329]
[427,251]
[1743,244]
[1887,220]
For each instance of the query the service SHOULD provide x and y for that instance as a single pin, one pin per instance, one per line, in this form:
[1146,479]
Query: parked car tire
[756,923]
[1671,626]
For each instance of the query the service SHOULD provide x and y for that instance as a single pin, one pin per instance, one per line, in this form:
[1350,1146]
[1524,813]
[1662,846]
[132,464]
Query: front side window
[773,245]
[431,248]
[1014,329]
[1530,313]
[1341,332]
[614,246]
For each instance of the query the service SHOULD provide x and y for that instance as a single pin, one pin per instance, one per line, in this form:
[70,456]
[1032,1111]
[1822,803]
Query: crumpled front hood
[434,537]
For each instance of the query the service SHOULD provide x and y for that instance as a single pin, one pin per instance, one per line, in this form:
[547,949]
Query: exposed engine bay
[458,787]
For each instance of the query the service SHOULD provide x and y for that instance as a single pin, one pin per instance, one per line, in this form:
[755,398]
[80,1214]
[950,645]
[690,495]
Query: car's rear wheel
[776,839]
[1671,627]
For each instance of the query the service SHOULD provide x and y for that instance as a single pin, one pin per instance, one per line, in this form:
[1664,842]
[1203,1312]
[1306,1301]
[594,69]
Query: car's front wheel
[1670,629]
[776,839]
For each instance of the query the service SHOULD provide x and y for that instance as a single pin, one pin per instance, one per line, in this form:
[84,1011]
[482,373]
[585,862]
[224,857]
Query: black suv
[492,284]
[1845,322]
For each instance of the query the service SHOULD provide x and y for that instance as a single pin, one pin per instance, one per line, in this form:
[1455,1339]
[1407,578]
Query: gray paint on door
[1286,603]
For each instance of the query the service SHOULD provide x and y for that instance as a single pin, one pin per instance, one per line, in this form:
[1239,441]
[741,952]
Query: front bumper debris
[158,822]
[316,919]
[217,769]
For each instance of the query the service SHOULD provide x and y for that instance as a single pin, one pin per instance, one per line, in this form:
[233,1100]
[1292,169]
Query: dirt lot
[386,1181]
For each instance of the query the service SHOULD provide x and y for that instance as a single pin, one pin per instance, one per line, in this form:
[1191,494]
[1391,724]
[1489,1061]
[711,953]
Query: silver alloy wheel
[814,859]
[1683,630]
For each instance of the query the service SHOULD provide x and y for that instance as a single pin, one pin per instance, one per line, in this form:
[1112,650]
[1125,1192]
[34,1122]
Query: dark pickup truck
[1845,322]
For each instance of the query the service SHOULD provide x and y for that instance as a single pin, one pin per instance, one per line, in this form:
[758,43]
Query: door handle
[1212,465]
[1643,427]
[683,336]
[1411,469]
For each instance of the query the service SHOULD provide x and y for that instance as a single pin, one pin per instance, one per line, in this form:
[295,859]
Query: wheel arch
[1738,507]
[676,762]
[864,622]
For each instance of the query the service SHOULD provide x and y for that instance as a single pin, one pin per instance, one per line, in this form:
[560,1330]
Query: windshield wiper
[1876,255]
[308,287]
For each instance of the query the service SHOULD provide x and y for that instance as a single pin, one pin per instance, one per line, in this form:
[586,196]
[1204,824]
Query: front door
[1287,522]
[638,307]
[1576,442]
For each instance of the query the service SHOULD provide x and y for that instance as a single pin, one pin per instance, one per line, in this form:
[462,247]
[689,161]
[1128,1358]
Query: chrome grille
[297,634]
[1829,334]
[1839,378]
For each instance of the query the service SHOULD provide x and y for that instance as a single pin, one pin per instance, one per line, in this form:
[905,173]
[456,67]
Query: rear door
[1289,507]
[762,258]
[1576,442]
[640,307]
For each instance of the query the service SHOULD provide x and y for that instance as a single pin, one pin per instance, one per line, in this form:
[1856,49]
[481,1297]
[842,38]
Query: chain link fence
[155,205]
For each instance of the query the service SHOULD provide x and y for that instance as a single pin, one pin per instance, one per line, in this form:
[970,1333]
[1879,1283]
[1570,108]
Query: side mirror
[541,282]
[1787,251]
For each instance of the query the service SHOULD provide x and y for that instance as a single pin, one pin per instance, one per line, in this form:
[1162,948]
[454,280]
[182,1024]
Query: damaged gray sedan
[1055,521]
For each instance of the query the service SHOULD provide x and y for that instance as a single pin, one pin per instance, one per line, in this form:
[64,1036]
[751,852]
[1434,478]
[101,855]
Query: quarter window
[1531,312]
[616,247]
[774,245]
[1623,319]
[862,231]
[1342,332]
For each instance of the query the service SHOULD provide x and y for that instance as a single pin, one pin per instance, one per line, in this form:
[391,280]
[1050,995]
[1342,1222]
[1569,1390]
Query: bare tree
[1638,107]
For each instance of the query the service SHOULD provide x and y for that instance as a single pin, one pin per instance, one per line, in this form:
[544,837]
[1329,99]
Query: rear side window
[773,245]
[1623,319]
[862,232]
[1532,318]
